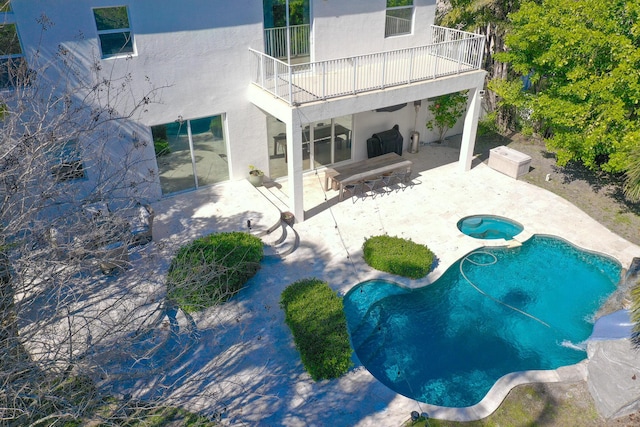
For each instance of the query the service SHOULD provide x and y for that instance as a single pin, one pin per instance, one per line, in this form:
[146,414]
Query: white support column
[470,129]
[294,165]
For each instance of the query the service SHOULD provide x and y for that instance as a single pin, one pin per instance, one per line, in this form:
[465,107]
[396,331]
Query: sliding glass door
[323,143]
[190,153]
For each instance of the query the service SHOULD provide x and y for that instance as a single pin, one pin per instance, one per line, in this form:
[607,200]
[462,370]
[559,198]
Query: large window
[190,153]
[114,31]
[399,17]
[323,143]
[12,64]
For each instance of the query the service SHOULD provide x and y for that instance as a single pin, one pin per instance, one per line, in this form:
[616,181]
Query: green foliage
[9,43]
[298,12]
[632,179]
[74,401]
[315,315]
[161,147]
[487,124]
[159,132]
[398,256]
[141,414]
[213,268]
[583,59]
[635,314]
[111,18]
[398,3]
[446,110]
[476,14]
[160,142]
[216,126]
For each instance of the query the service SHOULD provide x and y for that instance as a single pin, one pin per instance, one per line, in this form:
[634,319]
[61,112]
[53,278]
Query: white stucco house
[239,89]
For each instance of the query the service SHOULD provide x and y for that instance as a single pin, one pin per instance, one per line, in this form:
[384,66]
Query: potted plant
[256,176]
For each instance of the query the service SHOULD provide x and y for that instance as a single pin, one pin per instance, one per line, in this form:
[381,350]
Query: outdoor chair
[388,180]
[369,187]
[352,190]
[404,180]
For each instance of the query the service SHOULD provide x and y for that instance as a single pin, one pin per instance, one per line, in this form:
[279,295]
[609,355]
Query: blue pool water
[447,343]
[489,227]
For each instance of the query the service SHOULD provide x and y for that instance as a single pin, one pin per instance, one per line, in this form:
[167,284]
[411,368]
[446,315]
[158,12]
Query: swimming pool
[489,227]
[447,343]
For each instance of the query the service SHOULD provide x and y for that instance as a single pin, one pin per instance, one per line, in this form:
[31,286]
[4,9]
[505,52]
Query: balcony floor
[309,83]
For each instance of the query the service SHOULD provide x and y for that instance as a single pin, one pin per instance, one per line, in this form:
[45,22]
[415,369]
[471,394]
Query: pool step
[513,244]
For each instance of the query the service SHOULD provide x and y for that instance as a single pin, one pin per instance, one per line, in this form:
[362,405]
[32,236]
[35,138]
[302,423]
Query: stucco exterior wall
[195,54]
[342,29]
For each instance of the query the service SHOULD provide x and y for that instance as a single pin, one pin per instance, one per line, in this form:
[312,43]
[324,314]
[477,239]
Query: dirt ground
[600,196]
[597,194]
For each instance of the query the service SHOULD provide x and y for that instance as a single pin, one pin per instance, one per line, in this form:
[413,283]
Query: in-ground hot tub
[489,227]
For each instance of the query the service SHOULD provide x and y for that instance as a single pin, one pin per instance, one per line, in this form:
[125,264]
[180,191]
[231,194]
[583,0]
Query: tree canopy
[581,64]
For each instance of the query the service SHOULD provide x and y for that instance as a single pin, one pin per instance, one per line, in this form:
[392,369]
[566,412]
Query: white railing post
[384,70]
[324,80]
[262,71]
[355,75]
[275,78]
[410,67]
[290,85]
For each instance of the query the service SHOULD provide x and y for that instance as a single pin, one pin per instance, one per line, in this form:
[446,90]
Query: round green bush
[212,269]
[398,256]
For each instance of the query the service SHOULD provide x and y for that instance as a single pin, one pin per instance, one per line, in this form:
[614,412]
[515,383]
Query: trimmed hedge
[398,256]
[315,315]
[212,269]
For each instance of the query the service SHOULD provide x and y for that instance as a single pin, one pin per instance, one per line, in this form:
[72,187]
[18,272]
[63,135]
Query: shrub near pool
[315,315]
[212,269]
[398,256]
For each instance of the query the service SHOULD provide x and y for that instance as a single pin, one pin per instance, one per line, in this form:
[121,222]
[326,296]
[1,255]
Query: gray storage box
[508,161]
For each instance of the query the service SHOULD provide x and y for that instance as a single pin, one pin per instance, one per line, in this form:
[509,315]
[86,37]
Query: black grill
[388,141]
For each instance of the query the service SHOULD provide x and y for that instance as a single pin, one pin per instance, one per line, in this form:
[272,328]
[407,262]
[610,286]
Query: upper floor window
[114,31]
[399,17]
[12,63]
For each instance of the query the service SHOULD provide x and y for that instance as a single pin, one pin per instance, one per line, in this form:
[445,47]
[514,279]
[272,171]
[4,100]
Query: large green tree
[490,18]
[581,59]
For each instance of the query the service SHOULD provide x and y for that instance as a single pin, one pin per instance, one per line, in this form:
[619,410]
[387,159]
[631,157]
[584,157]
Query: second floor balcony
[451,52]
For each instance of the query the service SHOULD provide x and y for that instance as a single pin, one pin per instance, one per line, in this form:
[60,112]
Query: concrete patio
[263,380]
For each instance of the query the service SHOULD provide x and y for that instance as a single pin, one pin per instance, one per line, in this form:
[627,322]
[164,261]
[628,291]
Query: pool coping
[501,388]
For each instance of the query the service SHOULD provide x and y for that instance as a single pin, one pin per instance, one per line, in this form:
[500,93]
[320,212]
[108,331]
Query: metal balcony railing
[395,26]
[275,41]
[451,52]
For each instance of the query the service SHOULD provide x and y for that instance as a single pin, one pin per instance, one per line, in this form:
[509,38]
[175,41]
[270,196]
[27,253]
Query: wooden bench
[352,173]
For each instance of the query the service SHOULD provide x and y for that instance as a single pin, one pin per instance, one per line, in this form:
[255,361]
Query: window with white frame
[399,17]
[66,162]
[114,31]
[12,63]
